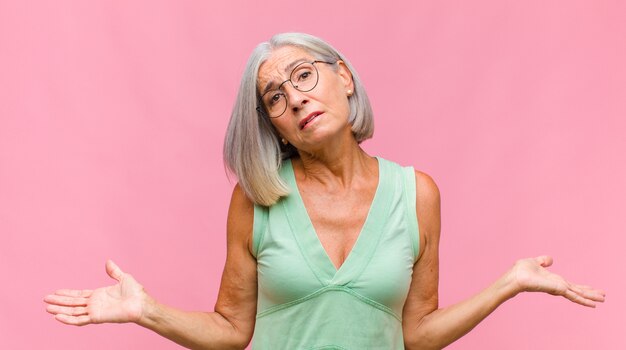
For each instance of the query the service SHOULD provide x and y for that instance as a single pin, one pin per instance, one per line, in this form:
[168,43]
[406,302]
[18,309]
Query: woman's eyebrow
[287,69]
[268,87]
[293,64]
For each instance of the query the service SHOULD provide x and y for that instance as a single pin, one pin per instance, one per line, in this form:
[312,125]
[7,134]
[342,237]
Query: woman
[328,247]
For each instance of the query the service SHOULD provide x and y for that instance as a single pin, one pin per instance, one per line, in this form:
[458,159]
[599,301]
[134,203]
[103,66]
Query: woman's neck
[336,167]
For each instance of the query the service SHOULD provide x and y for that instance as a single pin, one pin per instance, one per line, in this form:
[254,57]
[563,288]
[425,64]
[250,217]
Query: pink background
[112,116]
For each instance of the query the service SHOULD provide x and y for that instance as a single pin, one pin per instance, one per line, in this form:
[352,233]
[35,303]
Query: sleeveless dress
[304,302]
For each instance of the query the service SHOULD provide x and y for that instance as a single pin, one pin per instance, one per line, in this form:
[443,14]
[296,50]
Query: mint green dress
[304,302]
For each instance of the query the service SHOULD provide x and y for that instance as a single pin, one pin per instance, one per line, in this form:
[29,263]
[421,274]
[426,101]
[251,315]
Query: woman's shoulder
[426,188]
[425,184]
[428,204]
[241,207]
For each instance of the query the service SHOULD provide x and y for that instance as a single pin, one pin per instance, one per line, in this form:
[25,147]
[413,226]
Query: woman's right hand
[119,303]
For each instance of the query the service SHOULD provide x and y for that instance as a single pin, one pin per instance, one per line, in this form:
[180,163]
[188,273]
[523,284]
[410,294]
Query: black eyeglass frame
[261,109]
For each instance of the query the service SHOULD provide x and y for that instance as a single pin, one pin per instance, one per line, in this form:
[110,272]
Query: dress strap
[410,195]
[259,226]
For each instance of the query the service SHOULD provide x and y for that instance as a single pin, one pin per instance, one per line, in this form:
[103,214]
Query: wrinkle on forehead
[278,67]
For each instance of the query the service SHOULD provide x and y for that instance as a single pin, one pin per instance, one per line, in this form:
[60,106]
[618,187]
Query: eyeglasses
[303,77]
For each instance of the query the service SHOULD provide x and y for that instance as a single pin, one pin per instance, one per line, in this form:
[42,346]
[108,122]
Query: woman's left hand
[531,275]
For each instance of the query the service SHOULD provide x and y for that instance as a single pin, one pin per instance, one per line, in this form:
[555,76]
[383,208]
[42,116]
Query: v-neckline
[309,243]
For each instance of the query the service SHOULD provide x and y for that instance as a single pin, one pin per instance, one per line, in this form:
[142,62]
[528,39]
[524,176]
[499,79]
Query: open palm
[118,303]
[531,275]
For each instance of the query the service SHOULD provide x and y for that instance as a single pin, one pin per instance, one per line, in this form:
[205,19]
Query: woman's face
[313,117]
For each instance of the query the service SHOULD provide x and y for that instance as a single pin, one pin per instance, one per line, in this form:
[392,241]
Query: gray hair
[252,149]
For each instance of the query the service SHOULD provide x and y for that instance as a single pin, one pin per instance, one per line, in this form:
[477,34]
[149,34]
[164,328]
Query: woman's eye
[274,99]
[304,75]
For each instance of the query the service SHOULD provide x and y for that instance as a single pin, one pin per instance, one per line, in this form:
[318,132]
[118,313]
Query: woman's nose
[295,98]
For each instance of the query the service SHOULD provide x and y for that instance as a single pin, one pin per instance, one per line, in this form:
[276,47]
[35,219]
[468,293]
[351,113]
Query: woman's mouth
[308,119]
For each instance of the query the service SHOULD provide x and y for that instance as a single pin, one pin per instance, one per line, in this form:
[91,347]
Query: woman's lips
[306,121]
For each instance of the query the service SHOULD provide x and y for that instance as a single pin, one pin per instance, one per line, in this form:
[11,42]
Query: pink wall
[112,117]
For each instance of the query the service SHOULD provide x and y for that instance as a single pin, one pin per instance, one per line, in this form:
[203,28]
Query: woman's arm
[426,326]
[230,326]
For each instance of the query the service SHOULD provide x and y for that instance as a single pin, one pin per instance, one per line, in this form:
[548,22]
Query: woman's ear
[345,75]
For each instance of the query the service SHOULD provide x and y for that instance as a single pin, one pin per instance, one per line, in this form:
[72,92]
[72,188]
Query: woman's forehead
[280,63]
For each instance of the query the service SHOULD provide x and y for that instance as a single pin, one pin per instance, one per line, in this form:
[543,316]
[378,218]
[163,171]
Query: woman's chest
[338,221]
[291,267]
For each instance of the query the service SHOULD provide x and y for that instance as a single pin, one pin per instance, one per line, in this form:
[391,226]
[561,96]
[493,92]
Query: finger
[85,293]
[579,299]
[544,260]
[64,300]
[588,292]
[73,320]
[598,292]
[114,271]
[65,310]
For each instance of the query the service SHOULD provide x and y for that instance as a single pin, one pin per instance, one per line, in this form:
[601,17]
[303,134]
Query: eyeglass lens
[303,78]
